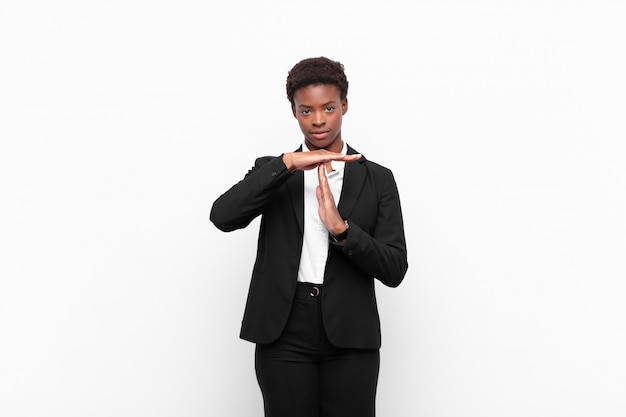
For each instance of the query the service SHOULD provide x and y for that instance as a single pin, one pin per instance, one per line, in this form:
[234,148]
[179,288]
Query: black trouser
[303,375]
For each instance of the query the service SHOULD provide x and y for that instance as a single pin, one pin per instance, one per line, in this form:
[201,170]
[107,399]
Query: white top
[315,241]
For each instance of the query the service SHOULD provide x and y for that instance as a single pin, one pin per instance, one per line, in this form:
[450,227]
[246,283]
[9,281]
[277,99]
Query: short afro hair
[312,71]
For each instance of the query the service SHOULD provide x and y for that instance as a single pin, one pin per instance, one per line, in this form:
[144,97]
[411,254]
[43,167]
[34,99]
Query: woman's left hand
[327,208]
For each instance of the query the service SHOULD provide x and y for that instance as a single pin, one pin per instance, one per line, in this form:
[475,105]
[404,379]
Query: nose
[318,119]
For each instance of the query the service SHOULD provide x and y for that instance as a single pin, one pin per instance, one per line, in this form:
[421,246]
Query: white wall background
[122,121]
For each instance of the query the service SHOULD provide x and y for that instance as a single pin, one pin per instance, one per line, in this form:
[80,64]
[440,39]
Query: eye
[305,112]
[330,108]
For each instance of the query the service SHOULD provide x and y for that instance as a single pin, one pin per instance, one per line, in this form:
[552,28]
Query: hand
[309,160]
[327,208]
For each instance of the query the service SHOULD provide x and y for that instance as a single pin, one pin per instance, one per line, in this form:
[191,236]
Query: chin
[316,145]
[321,144]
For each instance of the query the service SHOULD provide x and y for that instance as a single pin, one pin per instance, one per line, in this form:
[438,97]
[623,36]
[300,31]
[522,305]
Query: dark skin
[319,110]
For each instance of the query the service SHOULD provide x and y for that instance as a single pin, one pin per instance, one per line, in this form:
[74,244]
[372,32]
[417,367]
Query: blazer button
[350,252]
[273,173]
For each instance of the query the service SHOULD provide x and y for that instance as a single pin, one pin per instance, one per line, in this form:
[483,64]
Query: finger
[323,183]
[340,156]
[326,198]
[321,176]
[322,190]
[351,157]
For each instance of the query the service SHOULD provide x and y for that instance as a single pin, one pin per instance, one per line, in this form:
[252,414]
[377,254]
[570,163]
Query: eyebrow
[325,104]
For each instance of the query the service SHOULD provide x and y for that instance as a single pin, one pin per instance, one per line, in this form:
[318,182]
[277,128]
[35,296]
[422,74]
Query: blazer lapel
[353,179]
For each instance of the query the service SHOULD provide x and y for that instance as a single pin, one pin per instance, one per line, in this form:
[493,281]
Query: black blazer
[375,248]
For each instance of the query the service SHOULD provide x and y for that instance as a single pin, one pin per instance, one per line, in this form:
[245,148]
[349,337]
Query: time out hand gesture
[327,208]
[309,160]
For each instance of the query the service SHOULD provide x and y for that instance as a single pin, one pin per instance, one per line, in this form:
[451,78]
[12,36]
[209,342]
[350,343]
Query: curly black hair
[313,71]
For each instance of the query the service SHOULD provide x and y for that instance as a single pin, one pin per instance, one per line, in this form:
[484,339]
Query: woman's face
[319,110]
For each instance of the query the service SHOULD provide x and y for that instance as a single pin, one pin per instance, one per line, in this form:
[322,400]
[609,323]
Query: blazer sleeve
[244,201]
[380,252]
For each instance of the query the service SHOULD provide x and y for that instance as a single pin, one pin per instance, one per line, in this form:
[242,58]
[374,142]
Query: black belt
[304,289]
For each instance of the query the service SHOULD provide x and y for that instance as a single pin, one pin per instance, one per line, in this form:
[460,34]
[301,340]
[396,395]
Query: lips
[320,134]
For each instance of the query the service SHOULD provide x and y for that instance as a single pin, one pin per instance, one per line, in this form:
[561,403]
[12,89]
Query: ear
[293,111]
[344,106]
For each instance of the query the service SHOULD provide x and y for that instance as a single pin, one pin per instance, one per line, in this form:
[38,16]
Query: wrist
[288,161]
[342,232]
[339,228]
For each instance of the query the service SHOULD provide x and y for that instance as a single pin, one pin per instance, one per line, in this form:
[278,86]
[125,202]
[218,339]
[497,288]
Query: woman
[331,224]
